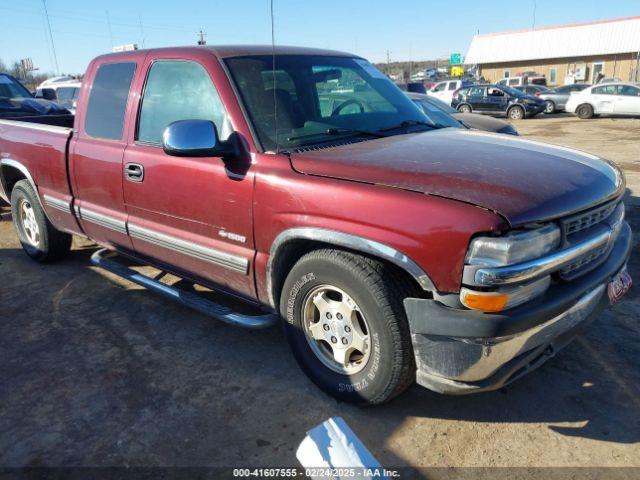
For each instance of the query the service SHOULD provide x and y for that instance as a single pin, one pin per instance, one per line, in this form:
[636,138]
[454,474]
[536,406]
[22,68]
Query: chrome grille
[588,219]
[584,260]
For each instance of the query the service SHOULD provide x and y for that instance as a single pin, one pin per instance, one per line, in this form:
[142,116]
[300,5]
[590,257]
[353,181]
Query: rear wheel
[515,113]
[346,325]
[464,108]
[39,239]
[549,107]
[584,111]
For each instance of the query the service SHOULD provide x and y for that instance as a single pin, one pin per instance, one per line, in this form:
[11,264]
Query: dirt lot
[96,371]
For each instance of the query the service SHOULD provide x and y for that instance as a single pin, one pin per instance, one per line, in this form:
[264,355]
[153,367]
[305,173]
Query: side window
[65,94]
[605,90]
[476,92]
[440,87]
[513,81]
[452,85]
[629,91]
[179,90]
[108,100]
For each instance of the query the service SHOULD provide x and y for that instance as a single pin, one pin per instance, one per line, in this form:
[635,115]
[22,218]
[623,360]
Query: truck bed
[40,149]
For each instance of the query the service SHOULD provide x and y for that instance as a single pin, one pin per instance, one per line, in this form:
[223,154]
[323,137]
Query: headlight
[514,247]
[510,249]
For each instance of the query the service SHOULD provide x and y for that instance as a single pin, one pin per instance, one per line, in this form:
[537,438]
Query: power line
[53,45]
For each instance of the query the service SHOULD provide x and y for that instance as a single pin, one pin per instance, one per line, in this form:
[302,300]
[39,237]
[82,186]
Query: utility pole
[388,61]
[201,40]
[53,46]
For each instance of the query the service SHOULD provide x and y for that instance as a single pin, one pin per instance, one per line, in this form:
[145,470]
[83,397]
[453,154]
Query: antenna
[110,31]
[141,29]
[273,69]
[53,46]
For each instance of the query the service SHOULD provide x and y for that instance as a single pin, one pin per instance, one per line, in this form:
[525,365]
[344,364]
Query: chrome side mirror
[195,138]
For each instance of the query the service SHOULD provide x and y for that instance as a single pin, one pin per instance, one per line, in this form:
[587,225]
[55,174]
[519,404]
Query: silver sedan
[556,99]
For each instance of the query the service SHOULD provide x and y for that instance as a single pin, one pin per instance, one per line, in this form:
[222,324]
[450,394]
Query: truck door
[192,214]
[96,156]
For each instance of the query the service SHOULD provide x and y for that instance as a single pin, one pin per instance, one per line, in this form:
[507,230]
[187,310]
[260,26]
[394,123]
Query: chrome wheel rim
[29,223]
[516,114]
[548,107]
[336,329]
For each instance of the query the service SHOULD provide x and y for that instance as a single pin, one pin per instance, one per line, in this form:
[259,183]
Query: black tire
[584,111]
[464,108]
[549,107]
[516,113]
[378,290]
[50,244]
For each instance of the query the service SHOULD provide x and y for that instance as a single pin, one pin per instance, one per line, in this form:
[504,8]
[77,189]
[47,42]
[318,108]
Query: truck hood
[522,180]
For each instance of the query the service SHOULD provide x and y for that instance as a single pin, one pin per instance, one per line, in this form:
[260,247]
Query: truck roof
[228,51]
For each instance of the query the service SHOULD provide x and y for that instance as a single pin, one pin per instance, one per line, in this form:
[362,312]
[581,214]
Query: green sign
[455,59]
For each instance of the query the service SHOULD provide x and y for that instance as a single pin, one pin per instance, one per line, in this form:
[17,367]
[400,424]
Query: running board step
[189,299]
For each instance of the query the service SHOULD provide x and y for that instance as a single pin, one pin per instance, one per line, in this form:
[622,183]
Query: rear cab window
[108,100]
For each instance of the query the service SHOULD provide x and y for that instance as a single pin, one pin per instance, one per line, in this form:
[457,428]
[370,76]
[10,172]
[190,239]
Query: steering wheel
[346,103]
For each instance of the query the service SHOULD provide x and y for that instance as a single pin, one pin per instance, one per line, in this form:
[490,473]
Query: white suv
[446,89]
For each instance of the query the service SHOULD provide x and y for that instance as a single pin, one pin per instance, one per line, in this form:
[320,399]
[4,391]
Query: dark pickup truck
[305,183]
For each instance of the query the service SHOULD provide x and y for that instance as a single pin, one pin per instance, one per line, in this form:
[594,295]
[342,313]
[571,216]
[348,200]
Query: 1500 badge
[232,236]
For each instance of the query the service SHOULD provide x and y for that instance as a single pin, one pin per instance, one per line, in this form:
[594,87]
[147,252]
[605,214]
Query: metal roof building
[608,44]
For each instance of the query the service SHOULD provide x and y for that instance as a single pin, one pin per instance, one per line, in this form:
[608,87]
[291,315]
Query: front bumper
[464,351]
[533,110]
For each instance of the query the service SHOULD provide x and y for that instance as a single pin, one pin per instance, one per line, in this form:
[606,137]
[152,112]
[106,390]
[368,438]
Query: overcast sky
[417,29]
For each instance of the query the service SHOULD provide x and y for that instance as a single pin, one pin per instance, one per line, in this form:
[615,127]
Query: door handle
[134,172]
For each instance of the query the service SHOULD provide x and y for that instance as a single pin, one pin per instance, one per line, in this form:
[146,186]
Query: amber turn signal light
[485,301]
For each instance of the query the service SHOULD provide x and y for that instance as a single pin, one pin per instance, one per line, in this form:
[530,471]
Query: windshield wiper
[410,123]
[338,131]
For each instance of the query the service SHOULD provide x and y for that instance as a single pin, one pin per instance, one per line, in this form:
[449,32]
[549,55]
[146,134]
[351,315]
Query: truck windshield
[10,88]
[312,99]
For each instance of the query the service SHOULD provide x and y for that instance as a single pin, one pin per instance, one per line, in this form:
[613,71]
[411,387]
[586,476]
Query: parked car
[533,90]
[446,90]
[612,99]
[17,101]
[63,93]
[497,100]
[556,99]
[523,80]
[53,80]
[442,114]
[391,250]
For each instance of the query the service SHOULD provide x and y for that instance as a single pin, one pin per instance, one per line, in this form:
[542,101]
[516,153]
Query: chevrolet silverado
[392,250]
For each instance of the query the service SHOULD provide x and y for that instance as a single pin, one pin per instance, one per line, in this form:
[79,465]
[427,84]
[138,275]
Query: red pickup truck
[305,183]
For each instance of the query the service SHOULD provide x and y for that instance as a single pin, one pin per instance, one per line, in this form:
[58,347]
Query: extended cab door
[191,214]
[96,155]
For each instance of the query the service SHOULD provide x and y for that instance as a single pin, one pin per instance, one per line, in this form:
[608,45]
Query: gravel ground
[98,372]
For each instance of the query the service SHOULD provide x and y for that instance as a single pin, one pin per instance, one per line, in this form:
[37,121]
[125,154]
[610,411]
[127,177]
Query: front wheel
[346,325]
[464,108]
[39,239]
[516,113]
